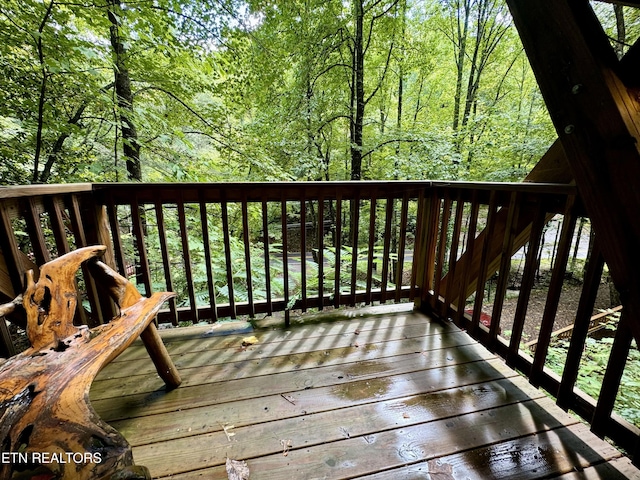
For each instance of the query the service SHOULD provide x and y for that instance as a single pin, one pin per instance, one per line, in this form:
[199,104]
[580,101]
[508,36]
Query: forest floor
[567,306]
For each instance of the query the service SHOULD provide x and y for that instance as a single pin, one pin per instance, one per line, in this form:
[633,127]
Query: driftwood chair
[48,428]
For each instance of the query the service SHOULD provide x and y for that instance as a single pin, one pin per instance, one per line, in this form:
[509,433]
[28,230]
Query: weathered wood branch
[47,423]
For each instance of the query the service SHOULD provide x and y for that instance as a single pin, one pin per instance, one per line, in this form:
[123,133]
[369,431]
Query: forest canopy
[263,90]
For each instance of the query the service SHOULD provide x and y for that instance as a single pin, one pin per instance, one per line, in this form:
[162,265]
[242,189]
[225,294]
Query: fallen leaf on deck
[237,470]
[405,415]
[246,341]
[439,470]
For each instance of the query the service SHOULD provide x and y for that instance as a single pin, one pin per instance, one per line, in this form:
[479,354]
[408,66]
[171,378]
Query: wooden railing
[253,249]
[248,249]
[473,236]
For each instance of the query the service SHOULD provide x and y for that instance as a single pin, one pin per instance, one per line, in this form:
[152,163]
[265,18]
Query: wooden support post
[160,357]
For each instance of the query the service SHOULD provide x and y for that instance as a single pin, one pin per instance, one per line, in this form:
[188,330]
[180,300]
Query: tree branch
[386,142]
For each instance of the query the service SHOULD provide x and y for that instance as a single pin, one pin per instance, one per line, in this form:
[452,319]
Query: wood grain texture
[391,395]
[44,399]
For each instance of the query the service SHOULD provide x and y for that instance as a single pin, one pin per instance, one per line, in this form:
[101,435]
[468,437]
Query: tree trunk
[357,117]
[130,144]
[460,41]
[621,30]
[42,94]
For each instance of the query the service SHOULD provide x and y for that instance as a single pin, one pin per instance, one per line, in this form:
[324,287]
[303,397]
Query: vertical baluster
[267,256]
[95,232]
[424,250]
[78,228]
[164,250]
[97,229]
[590,286]
[555,289]
[371,248]
[139,235]
[470,247]
[484,263]
[186,256]
[247,255]
[453,255]
[338,251]
[285,260]
[401,245]
[77,225]
[320,252]
[36,235]
[208,261]
[442,248]
[505,266]
[613,375]
[227,257]
[57,225]
[386,248]
[528,279]
[303,253]
[355,226]
[118,251]
[12,258]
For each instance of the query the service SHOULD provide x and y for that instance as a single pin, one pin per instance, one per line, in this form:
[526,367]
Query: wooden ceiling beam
[597,122]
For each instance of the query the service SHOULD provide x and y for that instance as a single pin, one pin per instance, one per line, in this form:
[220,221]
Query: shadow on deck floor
[385,393]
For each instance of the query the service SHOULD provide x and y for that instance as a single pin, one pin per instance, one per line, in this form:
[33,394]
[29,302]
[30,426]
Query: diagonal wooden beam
[597,121]
[552,168]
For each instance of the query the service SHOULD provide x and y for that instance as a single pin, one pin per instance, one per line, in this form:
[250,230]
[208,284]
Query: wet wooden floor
[383,394]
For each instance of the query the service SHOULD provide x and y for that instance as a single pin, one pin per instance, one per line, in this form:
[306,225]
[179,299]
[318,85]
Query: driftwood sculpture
[48,428]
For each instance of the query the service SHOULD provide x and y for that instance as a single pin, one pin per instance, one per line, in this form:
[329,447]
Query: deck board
[389,394]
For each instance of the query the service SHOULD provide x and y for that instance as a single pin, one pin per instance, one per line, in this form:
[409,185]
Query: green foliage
[260,90]
[592,369]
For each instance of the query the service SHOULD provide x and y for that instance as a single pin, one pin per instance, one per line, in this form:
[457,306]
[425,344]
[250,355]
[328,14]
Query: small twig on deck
[288,398]
[286,446]
[227,431]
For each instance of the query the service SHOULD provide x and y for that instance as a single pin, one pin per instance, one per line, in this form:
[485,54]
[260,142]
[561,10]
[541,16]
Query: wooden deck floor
[383,394]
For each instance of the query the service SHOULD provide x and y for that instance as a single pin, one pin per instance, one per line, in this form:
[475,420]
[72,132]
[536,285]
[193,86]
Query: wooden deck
[384,393]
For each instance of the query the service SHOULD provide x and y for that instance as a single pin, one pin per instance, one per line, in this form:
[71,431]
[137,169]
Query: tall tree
[476,29]
[373,12]
[123,93]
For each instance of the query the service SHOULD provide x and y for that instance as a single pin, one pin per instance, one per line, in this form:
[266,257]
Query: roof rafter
[598,122]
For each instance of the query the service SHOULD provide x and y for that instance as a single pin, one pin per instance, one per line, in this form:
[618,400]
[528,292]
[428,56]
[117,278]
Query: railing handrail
[18,191]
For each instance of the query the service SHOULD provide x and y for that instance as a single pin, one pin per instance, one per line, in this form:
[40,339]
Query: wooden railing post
[555,289]
[601,421]
[591,283]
